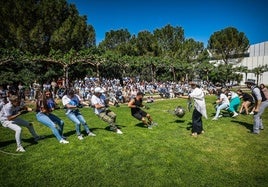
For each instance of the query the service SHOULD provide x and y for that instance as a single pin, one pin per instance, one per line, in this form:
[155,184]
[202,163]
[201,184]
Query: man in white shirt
[98,101]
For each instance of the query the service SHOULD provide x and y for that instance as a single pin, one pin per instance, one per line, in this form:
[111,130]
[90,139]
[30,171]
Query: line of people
[11,109]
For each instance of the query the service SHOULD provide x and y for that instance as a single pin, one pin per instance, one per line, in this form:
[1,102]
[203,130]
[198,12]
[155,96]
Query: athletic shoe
[194,134]
[251,113]
[235,114]
[80,137]
[91,134]
[20,149]
[214,119]
[220,116]
[118,131]
[64,141]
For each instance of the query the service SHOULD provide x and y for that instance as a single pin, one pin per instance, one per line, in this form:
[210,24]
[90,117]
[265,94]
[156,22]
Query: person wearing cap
[135,104]
[261,103]
[100,104]
[199,108]
[72,102]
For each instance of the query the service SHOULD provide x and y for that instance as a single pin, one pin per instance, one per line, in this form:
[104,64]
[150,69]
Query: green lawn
[226,155]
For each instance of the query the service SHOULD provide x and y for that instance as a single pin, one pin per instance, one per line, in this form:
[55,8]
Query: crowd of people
[99,94]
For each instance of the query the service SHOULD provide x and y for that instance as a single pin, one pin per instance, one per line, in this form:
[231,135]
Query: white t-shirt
[8,110]
[96,100]
[224,99]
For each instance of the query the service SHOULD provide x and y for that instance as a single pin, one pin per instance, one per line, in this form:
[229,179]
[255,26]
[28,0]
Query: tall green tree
[38,26]
[228,43]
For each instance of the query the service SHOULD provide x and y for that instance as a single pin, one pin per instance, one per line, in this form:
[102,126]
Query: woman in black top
[247,101]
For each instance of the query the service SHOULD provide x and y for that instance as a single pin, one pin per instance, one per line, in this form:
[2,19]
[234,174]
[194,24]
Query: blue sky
[199,18]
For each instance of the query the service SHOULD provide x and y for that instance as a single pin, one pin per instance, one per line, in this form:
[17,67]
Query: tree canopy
[47,39]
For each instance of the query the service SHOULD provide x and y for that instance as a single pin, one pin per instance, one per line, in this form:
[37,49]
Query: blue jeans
[219,108]
[76,117]
[49,120]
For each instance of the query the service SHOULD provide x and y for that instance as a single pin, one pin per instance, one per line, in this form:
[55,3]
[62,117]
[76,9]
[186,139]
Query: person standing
[261,103]
[100,104]
[199,108]
[44,107]
[9,117]
[72,102]
[135,104]
[264,90]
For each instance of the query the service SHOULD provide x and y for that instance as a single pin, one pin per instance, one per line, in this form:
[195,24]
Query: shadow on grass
[179,121]
[247,125]
[190,126]
[30,142]
[140,125]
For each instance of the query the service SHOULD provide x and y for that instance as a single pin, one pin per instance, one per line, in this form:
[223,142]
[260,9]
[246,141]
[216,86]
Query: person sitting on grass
[72,102]
[9,117]
[222,103]
[100,105]
[135,104]
[44,108]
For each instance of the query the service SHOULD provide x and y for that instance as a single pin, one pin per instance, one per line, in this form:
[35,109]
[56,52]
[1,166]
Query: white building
[258,56]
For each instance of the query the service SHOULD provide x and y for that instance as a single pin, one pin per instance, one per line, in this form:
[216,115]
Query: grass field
[226,155]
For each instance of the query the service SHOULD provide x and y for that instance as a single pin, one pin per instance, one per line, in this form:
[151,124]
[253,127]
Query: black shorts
[139,114]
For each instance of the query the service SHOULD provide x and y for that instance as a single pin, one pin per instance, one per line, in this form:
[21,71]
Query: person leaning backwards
[135,104]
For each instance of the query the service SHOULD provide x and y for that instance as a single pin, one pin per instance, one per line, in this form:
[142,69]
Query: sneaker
[251,113]
[220,116]
[20,149]
[80,137]
[91,134]
[118,131]
[64,141]
[150,126]
[214,119]
[235,114]
[194,134]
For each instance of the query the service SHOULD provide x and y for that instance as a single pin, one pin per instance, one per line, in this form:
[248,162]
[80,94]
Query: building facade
[258,56]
